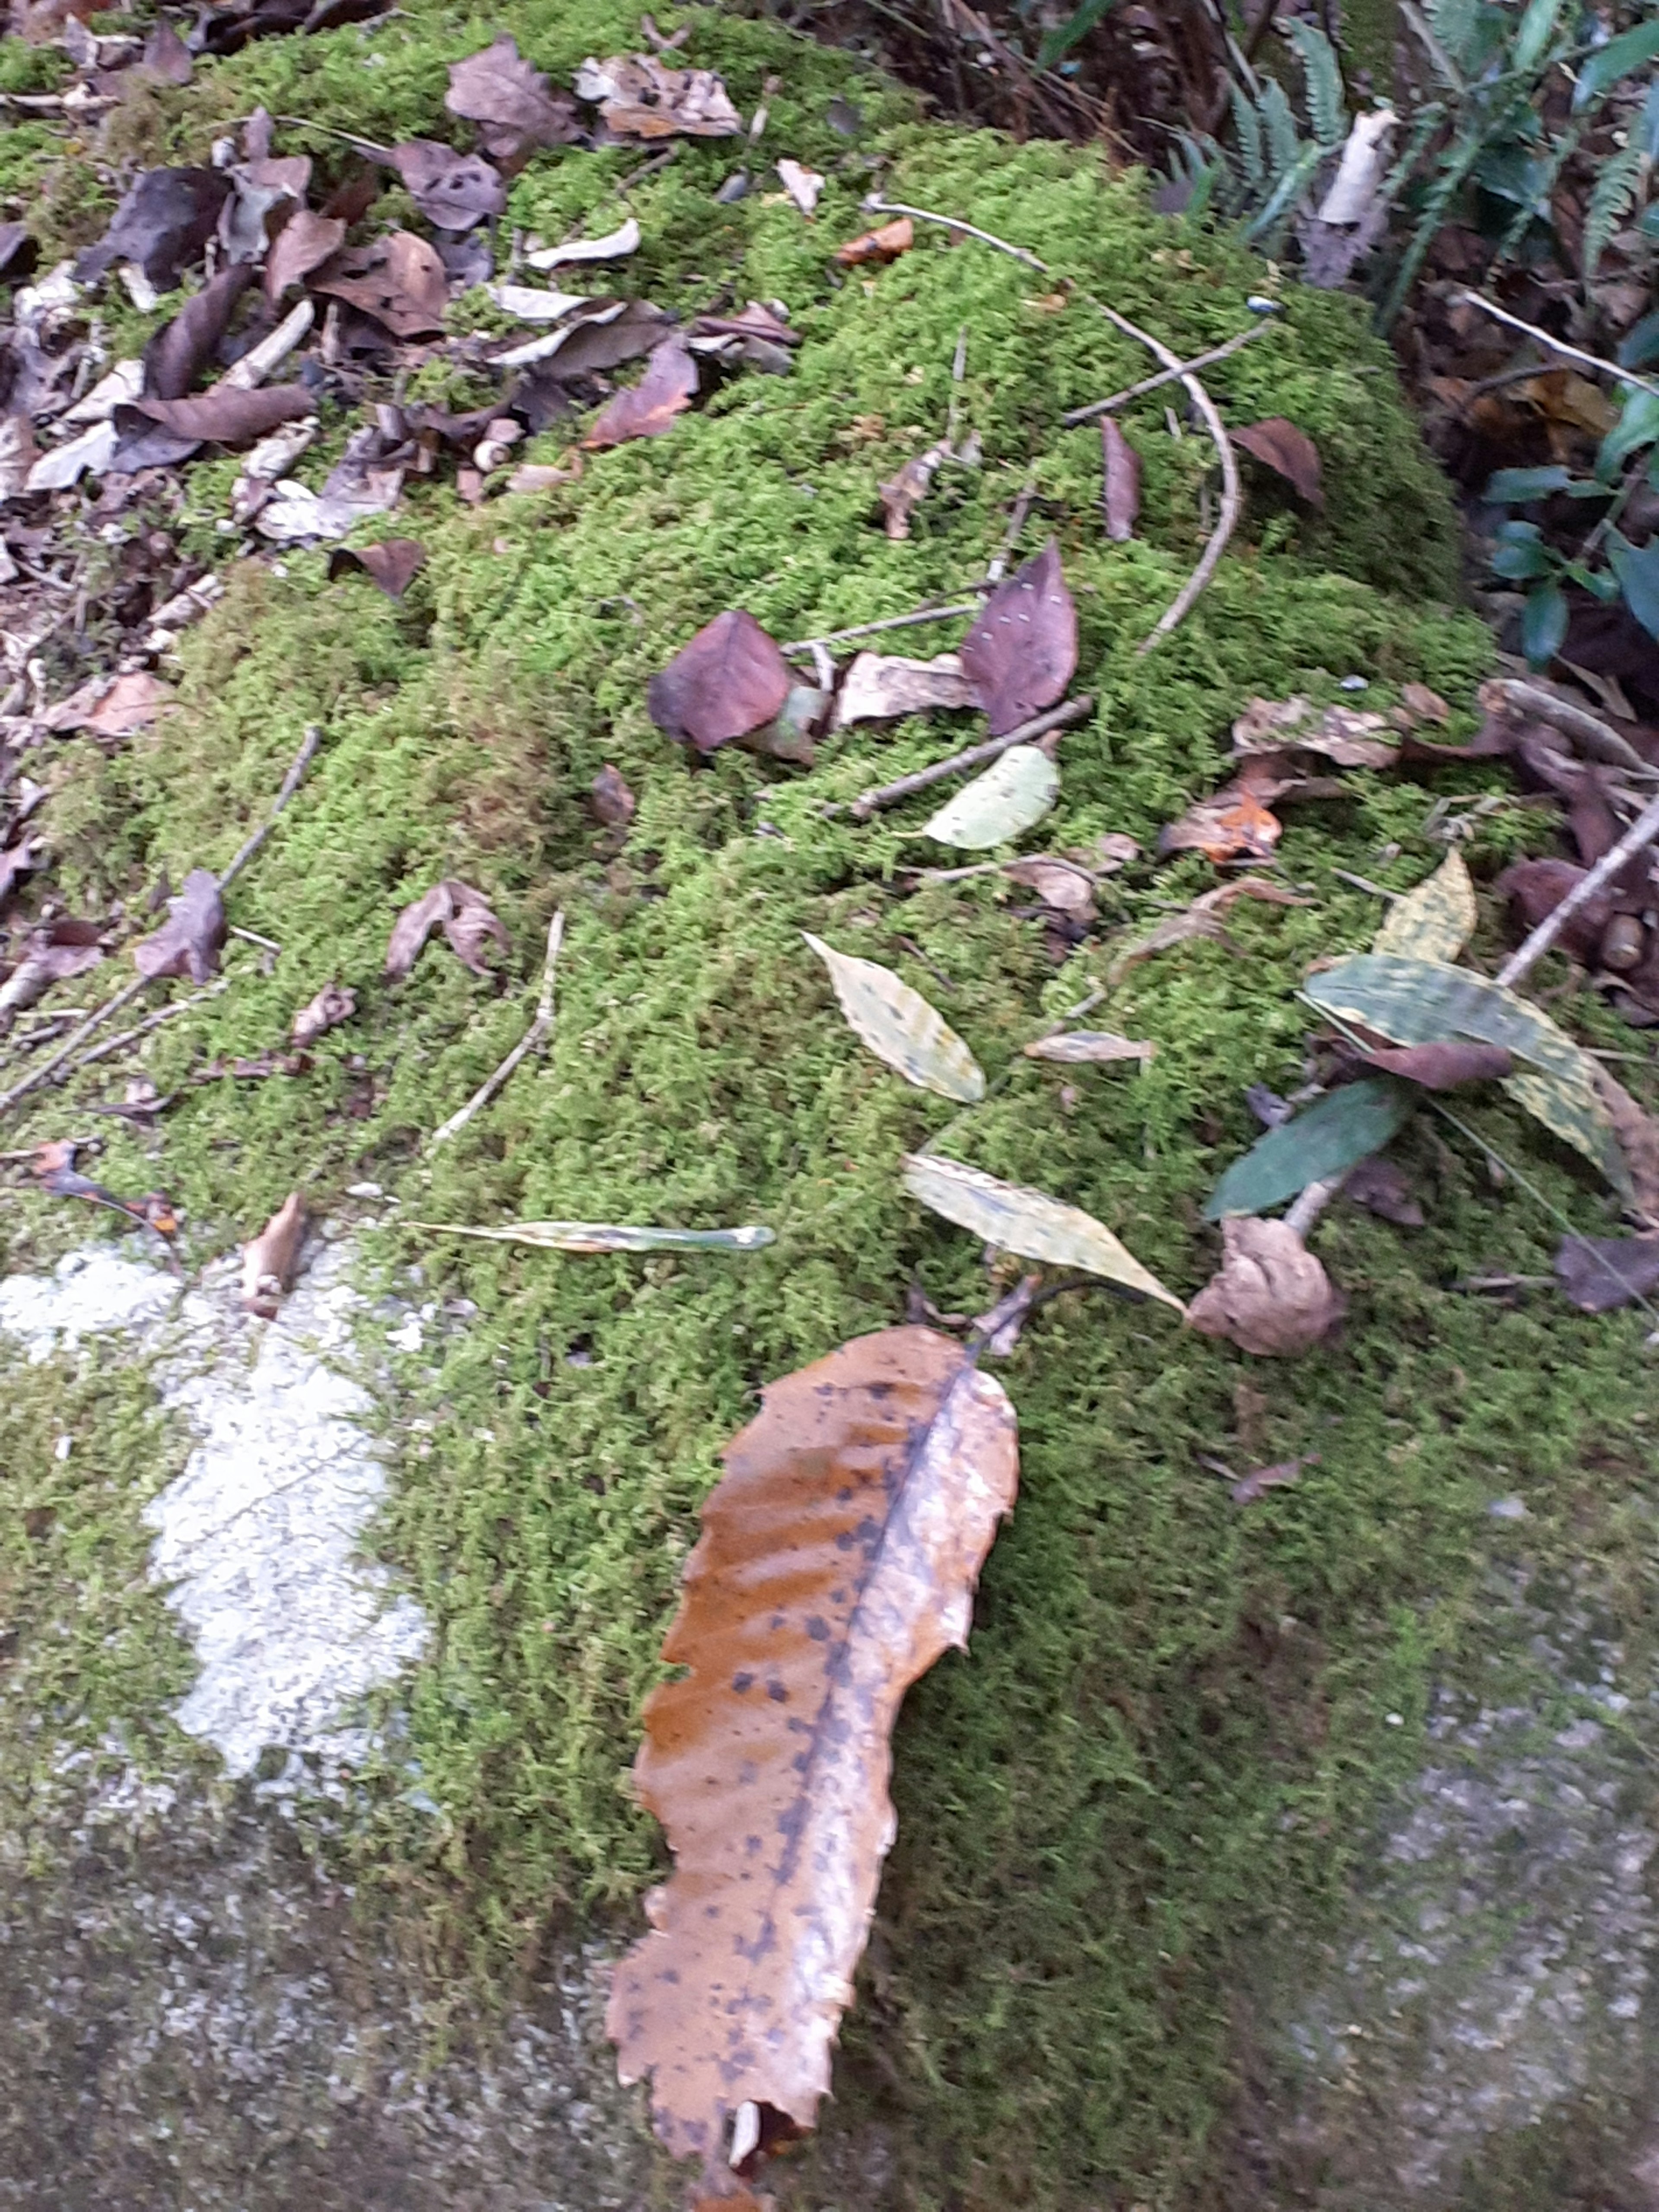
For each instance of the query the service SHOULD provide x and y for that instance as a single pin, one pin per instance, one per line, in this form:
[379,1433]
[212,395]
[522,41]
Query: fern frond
[1455,23]
[1284,198]
[1283,141]
[1612,199]
[1246,129]
[1326,109]
[1454,166]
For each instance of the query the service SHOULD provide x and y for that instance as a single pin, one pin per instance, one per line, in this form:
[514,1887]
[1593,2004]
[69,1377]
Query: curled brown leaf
[1270,1295]
[189,942]
[461,913]
[334,1004]
[1291,453]
[648,408]
[269,1261]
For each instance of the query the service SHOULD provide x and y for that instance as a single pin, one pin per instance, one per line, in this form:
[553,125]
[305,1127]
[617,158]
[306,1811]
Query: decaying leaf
[838,1560]
[334,1004]
[191,939]
[641,96]
[398,280]
[1261,1480]
[1202,919]
[1291,453]
[510,101]
[455,190]
[305,241]
[1600,1272]
[647,409]
[1068,890]
[1232,826]
[885,243]
[1270,1296]
[1436,921]
[182,348]
[53,951]
[1382,1187]
[802,185]
[611,800]
[164,220]
[1637,1134]
[1001,804]
[1120,472]
[1443,1065]
[880,686]
[1343,734]
[1325,1140]
[1021,653]
[392,562]
[1079,1047]
[112,709]
[901,493]
[461,913]
[729,679]
[54,1170]
[594,1236]
[1029,1223]
[611,247]
[1536,888]
[269,1262]
[900,1027]
[227,415]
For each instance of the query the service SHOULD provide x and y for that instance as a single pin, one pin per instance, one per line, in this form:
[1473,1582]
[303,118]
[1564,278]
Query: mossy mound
[1175,1715]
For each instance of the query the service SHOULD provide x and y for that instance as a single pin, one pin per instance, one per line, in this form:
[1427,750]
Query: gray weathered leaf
[1013,793]
[1077,1047]
[1028,1222]
[900,1027]
[880,686]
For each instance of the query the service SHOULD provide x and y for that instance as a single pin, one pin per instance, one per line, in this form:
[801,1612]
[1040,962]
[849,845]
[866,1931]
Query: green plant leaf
[1638,426]
[900,1027]
[1637,567]
[1436,919]
[1028,1222]
[604,1237]
[1520,552]
[1014,793]
[1543,623]
[1510,487]
[1640,343]
[1621,57]
[1333,1134]
[1537,29]
[1425,1002]
[1617,183]
[1326,109]
[1078,25]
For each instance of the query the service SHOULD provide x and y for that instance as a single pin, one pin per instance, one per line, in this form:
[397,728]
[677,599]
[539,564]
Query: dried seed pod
[1622,943]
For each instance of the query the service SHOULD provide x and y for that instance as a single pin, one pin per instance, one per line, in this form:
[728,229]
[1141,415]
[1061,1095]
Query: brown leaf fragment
[648,408]
[878,687]
[885,243]
[1259,1480]
[166,55]
[392,563]
[641,96]
[1120,469]
[1200,919]
[1232,825]
[1536,887]
[510,101]
[227,415]
[1442,1066]
[1074,1048]
[1273,727]
[1597,1273]
[1021,653]
[1279,444]
[611,800]
[269,1262]
[398,280]
[55,1172]
[305,241]
[1419,704]
[455,190]
[903,494]
[189,942]
[1271,1295]
[1638,1141]
[112,709]
[838,1558]
[53,951]
[1069,890]
[182,348]
[1381,1185]
[334,1004]
[461,913]
[729,679]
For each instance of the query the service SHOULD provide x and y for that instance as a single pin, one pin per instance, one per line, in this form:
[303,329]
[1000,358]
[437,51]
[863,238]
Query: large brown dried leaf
[1270,1295]
[1291,453]
[510,101]
[1021,651]
[182,348]
[105,710]
[1121,470]
[641,96]
[838,1560]
[461,913]
[452,190]
[648,408]
[729,679]
[399,281]
[163,222]
[189,942]
[305,241]
[227,415]
[269,1262]
[392,563]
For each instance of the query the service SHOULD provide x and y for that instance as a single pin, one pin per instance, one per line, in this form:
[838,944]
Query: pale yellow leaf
[1013,793]
[1028,1222]
[1436,921]
[900,1027]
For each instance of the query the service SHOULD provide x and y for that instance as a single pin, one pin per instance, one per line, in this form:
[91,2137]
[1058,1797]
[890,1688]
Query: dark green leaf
[1621,57]
[1077,25]
[1640,344]
[1510,487]
[1520,552]
[1638,426]
[1334,1134]
[1637,567]
[1543,624]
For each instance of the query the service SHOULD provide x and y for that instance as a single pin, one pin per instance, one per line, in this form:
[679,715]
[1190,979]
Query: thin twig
[887,621]
[1642,832]
[113,1045]
[1365,883]
[290,784]
[1559,345]
[951,222]
[535,1036]
[252,936]
[958,370]
[44,1074]
[889,795]
[1593,736]
[1005,552]
[1167,376]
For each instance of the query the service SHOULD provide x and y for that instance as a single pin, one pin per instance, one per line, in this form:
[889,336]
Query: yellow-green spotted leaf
[900,1027]
[1436,921]
[1028,1222]
[1426,1001]
[590,1236]
[1013,793]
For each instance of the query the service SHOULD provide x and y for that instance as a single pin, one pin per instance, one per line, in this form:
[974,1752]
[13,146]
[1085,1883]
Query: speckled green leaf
[1028,1222]
[605,1236]
[1423,1001]
[1334,1134]
[900,1027]
[1436,921]
[1014,793]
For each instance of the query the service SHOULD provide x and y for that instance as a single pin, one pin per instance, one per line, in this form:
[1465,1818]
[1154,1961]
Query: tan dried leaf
[1028,1222]
[1343,734]
[104,709]
[641,96]
[1076,1047]
[880,686]
[1200,919]
[838,1558]
[1270,1295]
[461,913]
[803,185]
[334,1004]
[1070,890]
[269,1262]
[885,243]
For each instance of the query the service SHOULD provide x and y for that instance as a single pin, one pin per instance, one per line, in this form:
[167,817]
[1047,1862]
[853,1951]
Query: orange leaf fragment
[838,1560]
[885,243]
[1233,825]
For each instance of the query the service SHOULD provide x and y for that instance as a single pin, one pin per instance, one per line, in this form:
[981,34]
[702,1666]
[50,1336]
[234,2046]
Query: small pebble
[1260,305]
[1354,684]
[1395,1720]
[364,1190]
[63,1447]
[1509,1509]
[736,187]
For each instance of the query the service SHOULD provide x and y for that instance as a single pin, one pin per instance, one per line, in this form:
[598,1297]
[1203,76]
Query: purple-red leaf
[189,942]
[1022,652]
[1600,1272]
[305,241]
[646,409]
[1121,465]
[392,562]
[1291,453]
[510,101]
[727,680]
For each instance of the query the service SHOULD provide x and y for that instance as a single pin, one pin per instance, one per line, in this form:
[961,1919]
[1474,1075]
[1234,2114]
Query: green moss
[1173,1722]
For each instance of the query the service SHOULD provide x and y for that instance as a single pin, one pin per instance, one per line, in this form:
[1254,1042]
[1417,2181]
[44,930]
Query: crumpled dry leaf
[802,185]
[729,679]
[641,96]
[1021,653]
[305,241]
[1121,470]
[53,951]
[611,800]
[1343,734]
[510,101]
[1061,885]
[334,1004]
[226,414]
[1597,1273]
[875,1477]
[647,409]
[1381,1186]
[1028,1222]
[398,280]
[189,942]
[900,1027]
[182,348]
[164,220]
[1200,919]
[1232,824]
[1278,443]
[1435,921]
[455,190]
[1536,888]
[1085,1047]
[269,1262]
[1271,1295]
[901,495]
[1638,1134]
[885,243]
[1001,803]
[392,563]
[107,708]
[361,484]
[880,686]
[461,913]
[1261,1480]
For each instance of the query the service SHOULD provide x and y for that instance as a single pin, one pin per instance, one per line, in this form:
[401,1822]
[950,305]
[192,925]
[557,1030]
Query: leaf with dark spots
[227,415]
[455,190]
[305,241]
[163,222]
[642,96]
[883,244]
[191,939]
[1442,1066]
[1600,1272]
[511,103]
[182,348]
[838,1558]
[461,913]
[1021,653]
[1536,887]
[729,679]
[399,281]
[648,408]
[1381,1186]
[392,563]
[1232,825]
[1291,453]
[1120,495]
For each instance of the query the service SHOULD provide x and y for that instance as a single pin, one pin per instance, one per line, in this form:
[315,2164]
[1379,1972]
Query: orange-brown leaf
[885,243]
[838,1558]
[1233,825]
